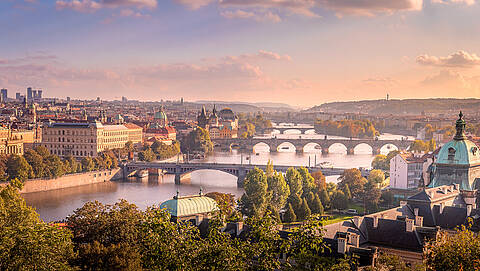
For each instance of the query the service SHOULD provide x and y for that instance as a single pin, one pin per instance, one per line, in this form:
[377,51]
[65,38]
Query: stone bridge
[300,143]
[282,129]
[182,170]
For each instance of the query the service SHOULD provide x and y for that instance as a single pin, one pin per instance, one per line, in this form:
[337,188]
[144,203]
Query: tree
[308,182]
[18,168]
[371,196]
[339,200]
[254,201]
[54,166]
[269,170]
[380,162]
[389,262]
[3,167]
[278,190]
[387,197]
[320,180]
[316,205]
[88,164]
[289,215]
[147,155]
[460,251]
[346,191]
[376,176]
[106,236]
[294,181]
[304,212]
[36,161]
[26,242]
[198,140]
[324,198]
[352,177]
[225,202]
[42,151]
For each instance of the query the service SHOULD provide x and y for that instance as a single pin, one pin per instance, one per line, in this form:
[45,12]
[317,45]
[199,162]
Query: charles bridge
[183,170]
[299,143]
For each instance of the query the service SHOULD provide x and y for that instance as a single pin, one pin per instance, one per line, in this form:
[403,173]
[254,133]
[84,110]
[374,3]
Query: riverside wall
[71,180]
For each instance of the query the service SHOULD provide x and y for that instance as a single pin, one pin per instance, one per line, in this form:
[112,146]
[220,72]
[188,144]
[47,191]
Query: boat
[284,148]
[143,173]
[326,164]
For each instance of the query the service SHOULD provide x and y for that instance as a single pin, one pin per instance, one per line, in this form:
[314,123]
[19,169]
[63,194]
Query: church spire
[460,126]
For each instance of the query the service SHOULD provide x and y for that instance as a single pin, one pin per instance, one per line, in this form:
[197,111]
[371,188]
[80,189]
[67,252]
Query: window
[451,154]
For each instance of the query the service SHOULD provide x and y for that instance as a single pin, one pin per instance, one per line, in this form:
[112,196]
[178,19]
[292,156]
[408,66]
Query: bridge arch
[292,131]
[261,147]
[312,147]
[286,147]
[386,148]
[363,148]
[337,148]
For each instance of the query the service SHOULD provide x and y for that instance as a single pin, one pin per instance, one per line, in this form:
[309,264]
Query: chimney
[457,186]
[469,209]
[409,223]
[419,221]
[403,203]
[375,222]
[442,205]
[354,239]
[415,211]
[239,227]
[197,220]
[342,245]
[357,221]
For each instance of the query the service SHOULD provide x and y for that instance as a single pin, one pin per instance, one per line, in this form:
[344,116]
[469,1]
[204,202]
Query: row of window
[68,132]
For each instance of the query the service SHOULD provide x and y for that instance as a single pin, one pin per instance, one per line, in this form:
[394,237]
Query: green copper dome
[191,205]
[459,152]
[160,115]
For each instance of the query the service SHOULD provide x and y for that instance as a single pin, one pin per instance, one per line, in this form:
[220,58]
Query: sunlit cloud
[92,5]
[466,2]
[459,59]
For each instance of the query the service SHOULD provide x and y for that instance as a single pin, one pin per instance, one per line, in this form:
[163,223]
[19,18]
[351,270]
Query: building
[221,125]
[10,143]
[458,161]
[406,171]
[194,208]
[29,94]
[87,139]
[404,230]
[4,95]
[160,129]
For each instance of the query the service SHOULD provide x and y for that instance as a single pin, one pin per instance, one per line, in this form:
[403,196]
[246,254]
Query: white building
[406,170]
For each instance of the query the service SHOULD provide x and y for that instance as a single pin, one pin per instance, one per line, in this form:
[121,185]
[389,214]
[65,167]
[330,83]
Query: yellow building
[10,144]
[87,139]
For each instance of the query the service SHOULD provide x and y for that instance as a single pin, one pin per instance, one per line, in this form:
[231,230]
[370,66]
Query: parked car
[351,212]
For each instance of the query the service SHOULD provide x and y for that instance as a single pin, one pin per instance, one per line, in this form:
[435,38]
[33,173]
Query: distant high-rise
[29,94]
[39,94]
[4,94]
[18,96]
[34,94]
[68,99]
[124,99]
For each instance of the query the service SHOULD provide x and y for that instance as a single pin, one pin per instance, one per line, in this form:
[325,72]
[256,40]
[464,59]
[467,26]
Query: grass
[336,218]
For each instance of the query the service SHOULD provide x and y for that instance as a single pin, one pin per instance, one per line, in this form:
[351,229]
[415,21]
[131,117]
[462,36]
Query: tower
[202,119]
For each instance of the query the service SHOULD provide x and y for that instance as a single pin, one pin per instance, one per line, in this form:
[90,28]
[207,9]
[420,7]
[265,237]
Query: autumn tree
[352,177]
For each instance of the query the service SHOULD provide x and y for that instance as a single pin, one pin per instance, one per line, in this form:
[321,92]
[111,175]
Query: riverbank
[70,180]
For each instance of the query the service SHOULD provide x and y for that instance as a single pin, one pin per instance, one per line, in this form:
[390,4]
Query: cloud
[369,7]
[195,4]
[460,59]
[92,5]
[466,2]
[259,56]
[262,16]
[453,82]
[386,81]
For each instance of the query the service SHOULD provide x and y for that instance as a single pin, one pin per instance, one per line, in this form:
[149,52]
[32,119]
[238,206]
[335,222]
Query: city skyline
[302,52]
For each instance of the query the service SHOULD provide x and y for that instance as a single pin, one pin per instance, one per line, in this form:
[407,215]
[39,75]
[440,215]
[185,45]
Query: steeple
[460,126]
[204,112]
[214,109]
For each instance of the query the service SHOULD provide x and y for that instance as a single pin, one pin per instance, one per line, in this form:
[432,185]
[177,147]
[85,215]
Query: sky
[300,52]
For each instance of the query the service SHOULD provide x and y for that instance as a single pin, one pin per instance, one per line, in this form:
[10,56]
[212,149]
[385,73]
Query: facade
[160,129]
[87,139]
[458,161]
[406,171]
[4,95]
[221,125]
[10,143]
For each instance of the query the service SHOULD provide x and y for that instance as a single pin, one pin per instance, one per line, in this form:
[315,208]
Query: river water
[58,204]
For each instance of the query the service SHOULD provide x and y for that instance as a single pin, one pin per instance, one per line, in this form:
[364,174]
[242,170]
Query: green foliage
[147,155]
[88,164]
[308,182]
[346,128]
[380,162]
[324,198]
[304,211]
[460,251]
[248,124]
[198,140]
[376,176]
[289,215]
[18,167]
[371,196]
[423,146]
[387,198]
[320,180]
[389,262]
[316,205]
[278,190]
[294,181]
[255,199]
[346,191]
[352,177]
[225,202]
[338,200]
[163,151]
[26,242]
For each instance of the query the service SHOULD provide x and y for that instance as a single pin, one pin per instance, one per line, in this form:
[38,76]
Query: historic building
[223,124]
[87,139]
[160,129]
[195,208]
[458,161]
[10,143]
[407,170]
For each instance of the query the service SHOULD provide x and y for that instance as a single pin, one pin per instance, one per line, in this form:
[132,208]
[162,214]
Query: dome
[191,205]
[459,152]
[226,113]
[160,115]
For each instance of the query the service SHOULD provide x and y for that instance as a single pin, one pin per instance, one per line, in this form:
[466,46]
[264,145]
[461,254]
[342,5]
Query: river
[58,204]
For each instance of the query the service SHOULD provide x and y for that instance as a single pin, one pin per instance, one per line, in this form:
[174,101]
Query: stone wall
[71,180]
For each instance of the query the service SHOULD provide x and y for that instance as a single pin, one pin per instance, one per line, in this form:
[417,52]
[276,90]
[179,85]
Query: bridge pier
[350,151]
[376,151]
[325,151]
[242,173]
[299,149]
[182,177]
